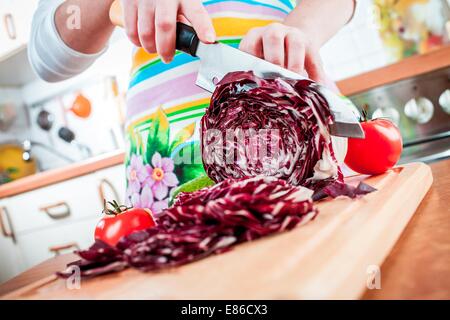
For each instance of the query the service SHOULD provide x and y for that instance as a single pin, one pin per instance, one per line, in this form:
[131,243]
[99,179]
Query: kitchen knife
[216,60]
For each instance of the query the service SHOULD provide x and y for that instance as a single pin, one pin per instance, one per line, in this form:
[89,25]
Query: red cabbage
[274,127]
[205,222]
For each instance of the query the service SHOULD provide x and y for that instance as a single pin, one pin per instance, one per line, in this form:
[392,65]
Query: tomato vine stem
[117,208]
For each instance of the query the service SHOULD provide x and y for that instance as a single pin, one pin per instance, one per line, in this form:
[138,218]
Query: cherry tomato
[379,151]
[121,222]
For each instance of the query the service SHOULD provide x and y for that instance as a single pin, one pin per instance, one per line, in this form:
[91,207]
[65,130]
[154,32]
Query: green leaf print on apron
[159,165]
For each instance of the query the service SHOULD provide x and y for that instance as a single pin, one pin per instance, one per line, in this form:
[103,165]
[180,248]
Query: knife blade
[216,60]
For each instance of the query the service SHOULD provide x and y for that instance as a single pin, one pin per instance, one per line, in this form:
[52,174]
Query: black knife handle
[187,39]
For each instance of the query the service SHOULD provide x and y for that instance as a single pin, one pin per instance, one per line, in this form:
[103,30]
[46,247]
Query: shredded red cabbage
[205,222]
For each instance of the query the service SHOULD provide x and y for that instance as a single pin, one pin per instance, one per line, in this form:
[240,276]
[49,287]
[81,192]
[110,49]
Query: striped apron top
[164,106]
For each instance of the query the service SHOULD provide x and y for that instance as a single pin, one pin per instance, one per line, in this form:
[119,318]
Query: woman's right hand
[152,24]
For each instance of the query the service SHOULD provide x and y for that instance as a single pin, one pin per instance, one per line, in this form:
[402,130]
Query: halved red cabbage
[273,127]
[204,222]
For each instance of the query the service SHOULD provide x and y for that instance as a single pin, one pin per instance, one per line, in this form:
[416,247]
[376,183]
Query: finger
[165,22]
[295,53]
[130,17]
[181,18]
[252,43]
[197,15]
[273,45]
[314,67]
[146,26]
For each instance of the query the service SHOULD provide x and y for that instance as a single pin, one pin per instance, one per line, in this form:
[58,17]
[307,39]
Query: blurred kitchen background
[61,145]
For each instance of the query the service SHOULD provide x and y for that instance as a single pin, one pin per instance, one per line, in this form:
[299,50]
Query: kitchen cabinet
[111,184]
[41,223]
[15,25]
[11,262]
[41,245]
[55,205]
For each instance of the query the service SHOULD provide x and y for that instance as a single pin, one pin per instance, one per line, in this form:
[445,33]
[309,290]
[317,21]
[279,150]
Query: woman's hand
[286,46]
[151,24]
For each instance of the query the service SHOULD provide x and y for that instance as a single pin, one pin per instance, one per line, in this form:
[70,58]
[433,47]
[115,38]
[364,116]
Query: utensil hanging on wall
[66,134]
[81,106]
[45,120]
[7,116]
[69,136]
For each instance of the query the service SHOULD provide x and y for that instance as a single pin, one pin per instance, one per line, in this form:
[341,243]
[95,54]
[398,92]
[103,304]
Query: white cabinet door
[11,262]
[15,25]
[111,184]
[58,217]
[41,245]
[8,34]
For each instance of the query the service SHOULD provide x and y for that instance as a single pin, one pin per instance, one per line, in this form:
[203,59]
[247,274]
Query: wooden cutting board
[332,257]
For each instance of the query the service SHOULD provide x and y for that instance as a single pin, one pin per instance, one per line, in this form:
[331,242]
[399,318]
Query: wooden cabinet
[15,25]
[59,218]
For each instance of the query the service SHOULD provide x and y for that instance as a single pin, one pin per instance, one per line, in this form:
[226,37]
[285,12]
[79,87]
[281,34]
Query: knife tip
[349,130]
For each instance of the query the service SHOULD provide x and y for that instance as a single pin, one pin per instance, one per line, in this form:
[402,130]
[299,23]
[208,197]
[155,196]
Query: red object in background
[122,221]
[379,151]
[81,107]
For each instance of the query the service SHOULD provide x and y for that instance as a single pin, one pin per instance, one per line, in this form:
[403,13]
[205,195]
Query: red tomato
[121,222]
[378,151]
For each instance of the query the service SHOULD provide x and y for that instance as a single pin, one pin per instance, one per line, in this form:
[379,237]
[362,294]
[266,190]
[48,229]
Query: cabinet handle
[101,190]
[50,210]
[7,233]
[56,250]
[10,26]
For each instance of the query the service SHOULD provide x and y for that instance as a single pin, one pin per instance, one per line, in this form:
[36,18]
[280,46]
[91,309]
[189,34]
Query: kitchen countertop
[417,268]
[71,171]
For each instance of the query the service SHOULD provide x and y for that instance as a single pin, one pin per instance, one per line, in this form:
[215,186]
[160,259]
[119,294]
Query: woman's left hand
[286,46]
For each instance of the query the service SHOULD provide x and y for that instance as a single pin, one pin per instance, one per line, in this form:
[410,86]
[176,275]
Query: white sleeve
[49,56]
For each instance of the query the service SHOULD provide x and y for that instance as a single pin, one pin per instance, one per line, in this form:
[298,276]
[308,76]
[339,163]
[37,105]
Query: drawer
[36,246]
[57,204]
[112,183]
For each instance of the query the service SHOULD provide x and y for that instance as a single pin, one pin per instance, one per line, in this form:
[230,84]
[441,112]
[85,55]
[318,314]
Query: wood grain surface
[419,265]
[327,258]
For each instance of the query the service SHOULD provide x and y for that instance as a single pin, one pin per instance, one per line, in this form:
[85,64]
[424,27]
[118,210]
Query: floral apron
[164,106]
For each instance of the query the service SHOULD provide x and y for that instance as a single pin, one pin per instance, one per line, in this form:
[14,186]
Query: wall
[19,128]
[102,131]
[356,48]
